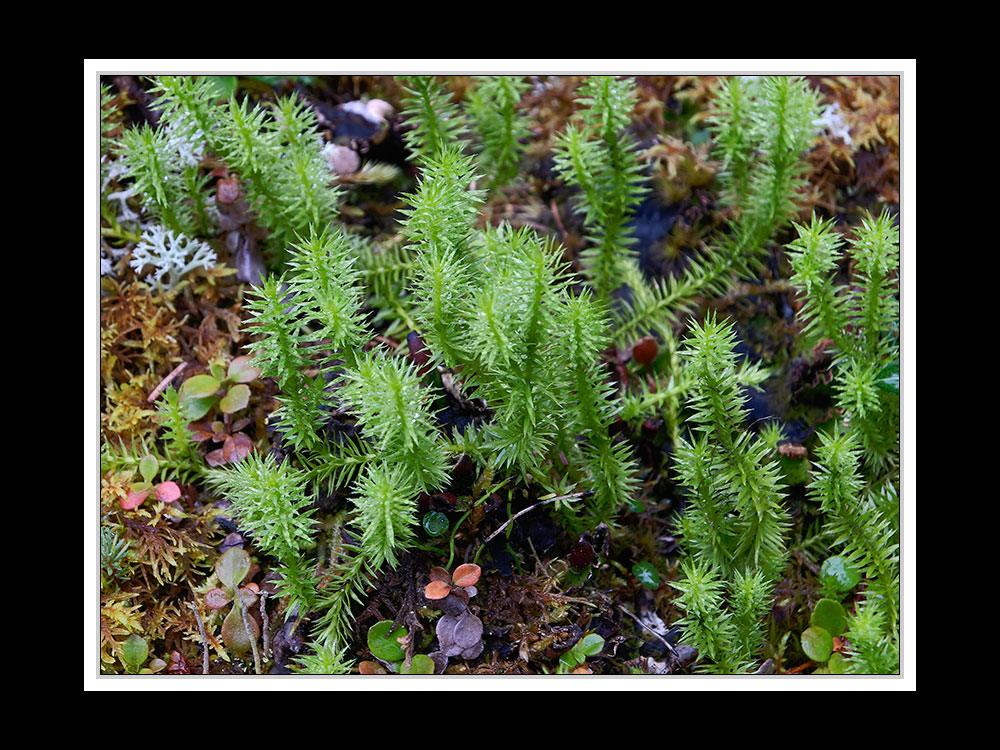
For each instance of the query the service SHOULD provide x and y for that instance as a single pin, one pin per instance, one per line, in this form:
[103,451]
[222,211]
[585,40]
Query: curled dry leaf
[440,661]
[792,451]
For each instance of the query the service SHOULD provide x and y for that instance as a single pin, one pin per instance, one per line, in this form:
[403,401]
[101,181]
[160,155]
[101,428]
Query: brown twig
[517,515]
[249,633]
[204,639]
[165,382]
[796,670]
[558,218]
[265,625]
[643,625]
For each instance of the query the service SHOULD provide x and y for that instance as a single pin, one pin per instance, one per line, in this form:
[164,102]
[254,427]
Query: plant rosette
[200,393]
[451,592]
[232,567]
[459,631]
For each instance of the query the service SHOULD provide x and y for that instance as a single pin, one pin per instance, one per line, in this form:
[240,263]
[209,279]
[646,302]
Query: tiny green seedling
[589,645]
[134,652]
[199,394]
[827,623]
[647,575]
[387,644]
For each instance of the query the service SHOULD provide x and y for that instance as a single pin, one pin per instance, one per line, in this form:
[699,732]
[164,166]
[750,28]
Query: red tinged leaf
[467,574]
[168,492]
[645,350]
[418,352]
[134,500]
[215,458]
[216,599]
[440,574]
[370,667]
[178,664]
[241,370]
[236,448]
[227,190]
[201,431]
[437,590]
[581,555]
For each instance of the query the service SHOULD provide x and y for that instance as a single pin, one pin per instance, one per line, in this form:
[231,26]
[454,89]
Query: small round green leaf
[421,664]
[837,664]
[199,386]
[232,567]
[196,408]
[829,615]
[888,379]
[589,645]
[148,466]
[817,644]
[435,523]
[569,660]
[384,643]
[235,399]
[134,651]
[838,575]
[647,575]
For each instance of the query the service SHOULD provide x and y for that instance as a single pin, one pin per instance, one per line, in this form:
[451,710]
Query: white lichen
[172,255]
[832,121]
